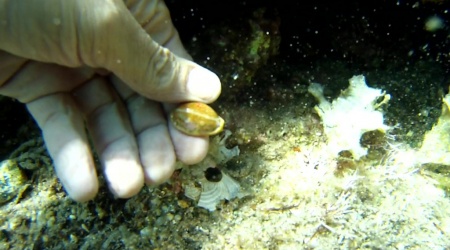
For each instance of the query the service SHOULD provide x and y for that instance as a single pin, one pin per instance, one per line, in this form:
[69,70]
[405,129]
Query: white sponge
[352,114]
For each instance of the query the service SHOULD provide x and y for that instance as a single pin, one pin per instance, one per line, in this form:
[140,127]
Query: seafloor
[294,194]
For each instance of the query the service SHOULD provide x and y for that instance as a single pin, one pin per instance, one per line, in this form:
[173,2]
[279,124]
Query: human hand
[50,56]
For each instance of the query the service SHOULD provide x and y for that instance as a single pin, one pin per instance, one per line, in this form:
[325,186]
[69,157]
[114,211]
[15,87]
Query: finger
[158,74]
[64,135]
[155,144]
[150,127]
[113,137]
[9,66]
[188,149]
[154,18]
[147,67]
[27,80]
[57,116]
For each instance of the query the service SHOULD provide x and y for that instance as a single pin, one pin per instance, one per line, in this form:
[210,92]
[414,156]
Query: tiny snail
[213,174]
[196,119]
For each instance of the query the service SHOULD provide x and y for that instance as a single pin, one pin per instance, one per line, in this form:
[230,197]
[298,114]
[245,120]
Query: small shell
[196,119]
[214,192]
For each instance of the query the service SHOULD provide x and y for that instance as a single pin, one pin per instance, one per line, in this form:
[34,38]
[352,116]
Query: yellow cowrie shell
[196,119]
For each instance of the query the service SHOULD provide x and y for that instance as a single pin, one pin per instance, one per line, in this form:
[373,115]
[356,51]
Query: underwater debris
[31,155]
[434,155]
[220,152]
[352,114]
[436,144]
[439,172]
[434,23]
[214,189]
[12,180]
[212,185]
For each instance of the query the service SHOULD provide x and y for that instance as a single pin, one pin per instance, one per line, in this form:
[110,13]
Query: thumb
[157,73]
[147,67]
[104,34]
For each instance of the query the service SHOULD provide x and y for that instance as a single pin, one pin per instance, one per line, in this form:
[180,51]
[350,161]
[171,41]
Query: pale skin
[111,68]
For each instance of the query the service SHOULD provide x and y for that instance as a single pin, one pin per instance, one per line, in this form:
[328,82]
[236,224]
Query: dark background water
[350,30]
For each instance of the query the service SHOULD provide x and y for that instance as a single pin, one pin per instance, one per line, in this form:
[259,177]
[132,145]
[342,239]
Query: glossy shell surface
[196,119]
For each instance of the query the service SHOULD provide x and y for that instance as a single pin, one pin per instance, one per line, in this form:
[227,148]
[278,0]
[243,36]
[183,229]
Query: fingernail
[203,84]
